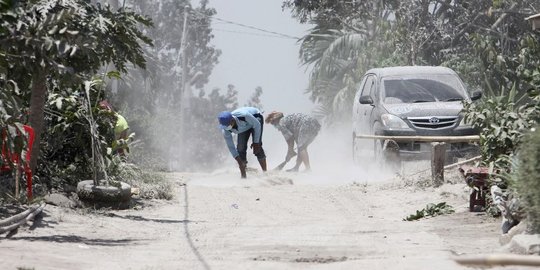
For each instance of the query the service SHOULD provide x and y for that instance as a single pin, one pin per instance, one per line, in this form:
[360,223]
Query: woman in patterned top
[299,128]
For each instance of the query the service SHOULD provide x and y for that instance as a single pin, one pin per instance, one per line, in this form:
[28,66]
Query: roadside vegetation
[489,43]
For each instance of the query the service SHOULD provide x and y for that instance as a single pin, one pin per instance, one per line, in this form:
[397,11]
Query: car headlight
[393,122]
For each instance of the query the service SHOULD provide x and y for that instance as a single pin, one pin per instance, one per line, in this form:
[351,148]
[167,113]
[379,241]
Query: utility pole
[184,95]
[183,55]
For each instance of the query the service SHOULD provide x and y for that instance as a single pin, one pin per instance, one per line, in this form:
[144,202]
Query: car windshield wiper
[455,99]
[420,101]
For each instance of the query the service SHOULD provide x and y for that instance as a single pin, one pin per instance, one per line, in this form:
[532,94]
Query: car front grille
[433,122]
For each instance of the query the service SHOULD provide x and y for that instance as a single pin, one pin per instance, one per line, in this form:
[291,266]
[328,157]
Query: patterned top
[300,127]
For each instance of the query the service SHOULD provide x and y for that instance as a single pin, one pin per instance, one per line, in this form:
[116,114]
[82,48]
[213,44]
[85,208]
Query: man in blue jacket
[246,122]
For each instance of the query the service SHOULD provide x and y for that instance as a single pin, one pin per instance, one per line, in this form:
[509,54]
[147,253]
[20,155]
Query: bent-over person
[297,128]
[246,122]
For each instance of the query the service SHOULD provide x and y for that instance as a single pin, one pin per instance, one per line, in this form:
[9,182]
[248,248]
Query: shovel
[282,164]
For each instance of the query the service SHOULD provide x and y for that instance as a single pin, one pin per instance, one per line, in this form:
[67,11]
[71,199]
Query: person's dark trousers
[242,143]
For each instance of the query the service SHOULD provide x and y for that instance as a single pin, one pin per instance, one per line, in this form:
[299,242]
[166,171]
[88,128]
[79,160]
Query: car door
[365,108]
[356,106]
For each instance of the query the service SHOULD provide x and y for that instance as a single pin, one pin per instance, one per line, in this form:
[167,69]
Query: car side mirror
[476,95]
[366,100]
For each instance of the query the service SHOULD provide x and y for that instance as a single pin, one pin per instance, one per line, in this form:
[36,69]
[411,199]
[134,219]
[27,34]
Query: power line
[248,33]
[249,26]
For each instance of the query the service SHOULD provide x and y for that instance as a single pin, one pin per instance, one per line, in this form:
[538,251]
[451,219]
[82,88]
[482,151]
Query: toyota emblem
[434,120]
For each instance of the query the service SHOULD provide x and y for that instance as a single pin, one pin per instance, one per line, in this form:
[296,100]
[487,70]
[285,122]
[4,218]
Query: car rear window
[422,89]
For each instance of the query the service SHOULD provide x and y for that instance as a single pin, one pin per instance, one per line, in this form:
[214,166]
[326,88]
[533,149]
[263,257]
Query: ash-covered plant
[68,153]
[527,180]
[150,184]
[502,124]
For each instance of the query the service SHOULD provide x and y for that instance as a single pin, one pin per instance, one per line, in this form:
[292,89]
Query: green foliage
[511,80]
[501,124]
[431,210]
[70,38]
[528,178]
[50,49]
[10,120]
[67,149]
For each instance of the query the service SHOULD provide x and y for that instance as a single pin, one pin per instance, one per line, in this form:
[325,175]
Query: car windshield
[417,89]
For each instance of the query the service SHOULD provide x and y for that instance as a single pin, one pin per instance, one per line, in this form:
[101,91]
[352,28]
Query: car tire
[117,197]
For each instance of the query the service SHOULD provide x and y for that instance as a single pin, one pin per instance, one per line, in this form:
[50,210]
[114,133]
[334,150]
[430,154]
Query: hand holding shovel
[289,156]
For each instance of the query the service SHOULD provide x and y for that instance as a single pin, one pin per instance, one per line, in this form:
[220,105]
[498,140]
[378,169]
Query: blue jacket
[242,126]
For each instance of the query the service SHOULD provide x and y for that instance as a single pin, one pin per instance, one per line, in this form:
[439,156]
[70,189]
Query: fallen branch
[21,218]
[499,259]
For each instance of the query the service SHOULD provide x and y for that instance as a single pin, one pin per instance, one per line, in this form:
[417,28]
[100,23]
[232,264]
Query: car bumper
[459,131]
[412,150]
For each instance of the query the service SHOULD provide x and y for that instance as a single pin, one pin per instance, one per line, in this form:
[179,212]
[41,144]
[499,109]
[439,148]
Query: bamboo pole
[23,220]
[450,139]
[7,221]
[500,259]
[450,166]
[462,162]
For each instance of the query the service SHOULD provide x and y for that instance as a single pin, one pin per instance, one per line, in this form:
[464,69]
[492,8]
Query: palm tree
[339,57]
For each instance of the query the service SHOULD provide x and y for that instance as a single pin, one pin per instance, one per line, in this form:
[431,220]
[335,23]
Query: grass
[151,184]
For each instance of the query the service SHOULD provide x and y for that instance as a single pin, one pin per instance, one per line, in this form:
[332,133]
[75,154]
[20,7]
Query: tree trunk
[36,117]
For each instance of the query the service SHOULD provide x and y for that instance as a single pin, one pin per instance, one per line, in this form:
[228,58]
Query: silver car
[411,101]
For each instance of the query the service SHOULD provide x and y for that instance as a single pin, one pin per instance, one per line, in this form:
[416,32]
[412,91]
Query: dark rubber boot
[262,162]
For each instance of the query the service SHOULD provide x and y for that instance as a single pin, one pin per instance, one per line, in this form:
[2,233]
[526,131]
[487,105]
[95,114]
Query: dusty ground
[273,221]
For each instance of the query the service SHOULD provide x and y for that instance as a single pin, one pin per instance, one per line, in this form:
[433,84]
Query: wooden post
[438,153]
[17,178]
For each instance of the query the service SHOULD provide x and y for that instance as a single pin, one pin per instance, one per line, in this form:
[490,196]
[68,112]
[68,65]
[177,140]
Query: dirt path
[275,221]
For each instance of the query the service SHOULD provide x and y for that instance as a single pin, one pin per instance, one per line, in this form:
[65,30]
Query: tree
[348,38]
[353,36]
[66,42]
[206,150]
[152,103]
[255,99]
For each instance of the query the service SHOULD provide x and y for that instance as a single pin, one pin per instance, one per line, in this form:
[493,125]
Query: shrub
[528,178]
[501,123]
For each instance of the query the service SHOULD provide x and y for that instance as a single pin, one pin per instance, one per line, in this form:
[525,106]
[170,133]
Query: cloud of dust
[330,157]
